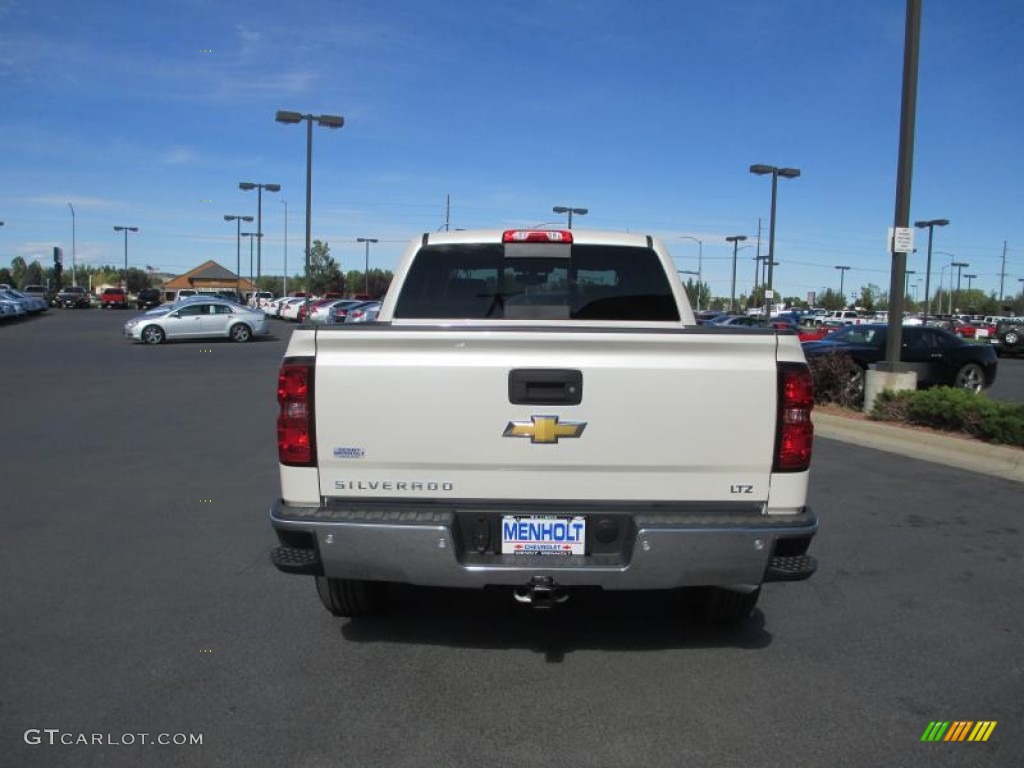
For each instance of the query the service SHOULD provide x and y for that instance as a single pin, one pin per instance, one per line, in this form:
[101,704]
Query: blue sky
[149,114]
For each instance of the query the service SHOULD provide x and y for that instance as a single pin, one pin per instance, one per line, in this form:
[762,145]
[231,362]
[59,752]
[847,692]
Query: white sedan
[213,318]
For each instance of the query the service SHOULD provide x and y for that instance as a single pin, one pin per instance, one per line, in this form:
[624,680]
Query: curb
[952,451]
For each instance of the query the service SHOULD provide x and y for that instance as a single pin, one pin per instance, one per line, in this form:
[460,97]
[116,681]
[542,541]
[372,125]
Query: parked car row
[16,304]
[323,310]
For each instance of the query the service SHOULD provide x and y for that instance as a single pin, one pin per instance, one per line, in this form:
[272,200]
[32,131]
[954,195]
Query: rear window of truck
[477,281]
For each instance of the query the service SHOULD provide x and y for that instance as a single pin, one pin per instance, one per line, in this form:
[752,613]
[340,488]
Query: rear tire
[716,605]
[350,598]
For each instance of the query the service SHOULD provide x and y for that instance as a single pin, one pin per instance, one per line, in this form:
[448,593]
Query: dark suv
[74,296]
[1010,336]
[148,297]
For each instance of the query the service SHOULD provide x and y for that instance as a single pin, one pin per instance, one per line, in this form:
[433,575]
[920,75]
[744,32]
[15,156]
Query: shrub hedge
[837,380]
[954,410]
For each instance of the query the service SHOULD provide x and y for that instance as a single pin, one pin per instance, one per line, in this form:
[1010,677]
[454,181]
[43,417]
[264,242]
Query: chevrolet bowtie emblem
[544,429]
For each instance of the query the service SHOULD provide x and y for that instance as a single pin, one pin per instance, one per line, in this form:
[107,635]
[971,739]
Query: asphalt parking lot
[139,599]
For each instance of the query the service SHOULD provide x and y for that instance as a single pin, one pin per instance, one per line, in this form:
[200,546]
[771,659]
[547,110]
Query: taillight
[794,435]
[296,439]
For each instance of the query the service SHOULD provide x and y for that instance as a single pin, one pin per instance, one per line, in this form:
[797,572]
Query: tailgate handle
[545,386]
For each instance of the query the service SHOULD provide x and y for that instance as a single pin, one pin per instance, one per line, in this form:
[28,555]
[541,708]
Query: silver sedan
[213,318]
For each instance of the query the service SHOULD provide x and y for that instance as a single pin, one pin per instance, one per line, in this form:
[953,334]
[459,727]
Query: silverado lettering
[388,485]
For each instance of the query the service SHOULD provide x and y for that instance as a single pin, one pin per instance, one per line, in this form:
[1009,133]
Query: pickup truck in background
[539,410]
[73,297]
[114,298]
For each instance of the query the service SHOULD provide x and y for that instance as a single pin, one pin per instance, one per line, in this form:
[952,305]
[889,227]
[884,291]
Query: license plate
[543,535]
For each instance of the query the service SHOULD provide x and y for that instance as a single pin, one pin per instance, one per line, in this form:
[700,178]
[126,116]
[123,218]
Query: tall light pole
[952,259]
[959,268]
[326,121]
[786,173]
[700,264]
[284,287]
[246,186]
[238,249]
[930,225]
[126,230]
[735,240]
[842,275]
[366,273]
[74,276]
[251,237]
[969,278]
[570,211]
[906,280]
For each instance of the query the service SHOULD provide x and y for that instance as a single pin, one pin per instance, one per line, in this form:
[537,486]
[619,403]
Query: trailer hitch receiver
[542,592]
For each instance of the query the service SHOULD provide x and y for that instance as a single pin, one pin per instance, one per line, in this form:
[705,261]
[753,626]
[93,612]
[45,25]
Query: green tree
[324,274]
[137,280]
[18,269]
[6,277]
[33,274]
[871,297]
[693,288]
[827,298]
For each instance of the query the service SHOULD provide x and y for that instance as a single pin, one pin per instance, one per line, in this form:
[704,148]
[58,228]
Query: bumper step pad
[295,560]
[793,568]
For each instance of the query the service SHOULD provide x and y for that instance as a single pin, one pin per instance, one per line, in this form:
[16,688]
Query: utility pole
[904,177]
[1002,272]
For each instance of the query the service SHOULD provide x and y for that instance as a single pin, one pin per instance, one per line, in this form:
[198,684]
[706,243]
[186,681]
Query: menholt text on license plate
[543,535]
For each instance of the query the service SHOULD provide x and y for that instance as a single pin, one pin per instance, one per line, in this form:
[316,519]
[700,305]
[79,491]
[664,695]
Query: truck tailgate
[426,412]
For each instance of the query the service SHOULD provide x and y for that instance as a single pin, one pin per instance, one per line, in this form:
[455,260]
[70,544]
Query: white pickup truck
[538,409]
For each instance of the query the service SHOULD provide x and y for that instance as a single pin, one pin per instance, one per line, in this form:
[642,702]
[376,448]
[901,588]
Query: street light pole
[126,230]
[284,288]
[366,272]
[931,224]
[959,267]
[786,173]
[906,280]
[969,279]
[246,186]
[700,264]
[952,259]
[326,121]
[570,211]
[251,235]
[842,275]
[238,249]
[74,276]
[735,240]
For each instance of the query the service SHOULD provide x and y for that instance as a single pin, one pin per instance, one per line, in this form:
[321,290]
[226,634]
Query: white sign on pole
[901,239]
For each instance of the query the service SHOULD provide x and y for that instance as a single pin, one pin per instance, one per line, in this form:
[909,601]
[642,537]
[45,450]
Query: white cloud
[75,200]
[248,35]
[180,156]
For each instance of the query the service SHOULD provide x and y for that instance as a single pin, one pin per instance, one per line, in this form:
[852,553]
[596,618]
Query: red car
[973,330]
